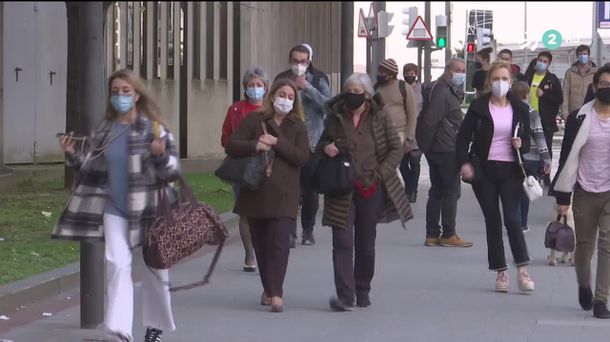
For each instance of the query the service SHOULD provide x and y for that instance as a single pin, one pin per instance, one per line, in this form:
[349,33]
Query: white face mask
[298,69]
[283,105]
[500,88]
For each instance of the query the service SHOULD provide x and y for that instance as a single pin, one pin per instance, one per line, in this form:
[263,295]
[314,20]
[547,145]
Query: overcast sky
[572,19]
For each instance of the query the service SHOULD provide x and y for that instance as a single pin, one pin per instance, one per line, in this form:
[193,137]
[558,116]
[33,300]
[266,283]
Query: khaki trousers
[592,213]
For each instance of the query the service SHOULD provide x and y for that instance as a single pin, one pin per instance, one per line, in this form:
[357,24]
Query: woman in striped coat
[130,155]
[356,125]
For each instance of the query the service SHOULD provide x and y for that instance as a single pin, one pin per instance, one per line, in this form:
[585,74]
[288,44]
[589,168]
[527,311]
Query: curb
[55,282]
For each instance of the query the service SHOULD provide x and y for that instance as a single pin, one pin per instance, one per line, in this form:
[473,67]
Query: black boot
[153,335]
[600,310]
[363,300]
[585,298]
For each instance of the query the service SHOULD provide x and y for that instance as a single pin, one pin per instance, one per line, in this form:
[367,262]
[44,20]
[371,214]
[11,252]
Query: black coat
[478,128]
[550,101]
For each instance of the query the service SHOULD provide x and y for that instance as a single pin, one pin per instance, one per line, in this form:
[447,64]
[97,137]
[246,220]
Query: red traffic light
[470,47]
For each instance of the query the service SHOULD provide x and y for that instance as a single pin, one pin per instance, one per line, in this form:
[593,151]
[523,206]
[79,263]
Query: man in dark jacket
[506,56]
[436,135]
[546,97]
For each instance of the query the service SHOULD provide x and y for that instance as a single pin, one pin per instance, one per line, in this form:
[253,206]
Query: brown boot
[432,241]
[455,241]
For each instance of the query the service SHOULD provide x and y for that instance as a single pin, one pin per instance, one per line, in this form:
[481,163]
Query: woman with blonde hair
[129,157]
[487,153]
[272,209]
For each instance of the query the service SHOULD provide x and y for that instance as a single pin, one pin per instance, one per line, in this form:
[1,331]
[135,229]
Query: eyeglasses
[603,84]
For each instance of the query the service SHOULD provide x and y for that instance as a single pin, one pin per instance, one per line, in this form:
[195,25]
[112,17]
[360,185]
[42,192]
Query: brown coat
[389,153]
[278,195]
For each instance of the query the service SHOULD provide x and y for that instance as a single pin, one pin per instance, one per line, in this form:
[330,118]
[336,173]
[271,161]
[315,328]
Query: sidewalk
[419,294]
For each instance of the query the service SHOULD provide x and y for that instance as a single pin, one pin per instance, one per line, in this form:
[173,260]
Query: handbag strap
[269,160]
[206,277]
[516,135]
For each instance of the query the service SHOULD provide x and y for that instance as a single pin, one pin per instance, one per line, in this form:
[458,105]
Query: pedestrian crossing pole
[86,100]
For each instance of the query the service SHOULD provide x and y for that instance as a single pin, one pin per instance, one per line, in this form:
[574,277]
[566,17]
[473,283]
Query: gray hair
[452,61]
[361,79]
[256,72]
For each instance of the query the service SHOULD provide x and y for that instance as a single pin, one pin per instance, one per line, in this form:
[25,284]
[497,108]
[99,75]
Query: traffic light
[483,37]
[441,31]
[408,18]
[383,24]
[470,47]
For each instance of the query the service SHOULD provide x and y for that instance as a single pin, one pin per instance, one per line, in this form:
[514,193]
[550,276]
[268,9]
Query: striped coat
[389,153]
[82,217]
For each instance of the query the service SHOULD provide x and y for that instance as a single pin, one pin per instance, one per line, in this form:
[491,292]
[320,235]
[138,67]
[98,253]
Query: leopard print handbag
[181,231]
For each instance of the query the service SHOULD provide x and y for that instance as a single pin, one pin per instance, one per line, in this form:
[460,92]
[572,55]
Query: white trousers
[156,303]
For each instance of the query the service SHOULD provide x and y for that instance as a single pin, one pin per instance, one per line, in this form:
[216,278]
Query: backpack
[426,93]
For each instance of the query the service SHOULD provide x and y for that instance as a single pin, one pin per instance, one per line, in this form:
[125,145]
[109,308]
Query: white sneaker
[502,281]
[526,284]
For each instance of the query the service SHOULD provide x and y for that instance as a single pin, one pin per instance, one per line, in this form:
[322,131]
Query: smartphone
[74,137]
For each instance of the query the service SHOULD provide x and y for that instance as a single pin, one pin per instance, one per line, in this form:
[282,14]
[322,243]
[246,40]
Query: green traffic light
[441,42]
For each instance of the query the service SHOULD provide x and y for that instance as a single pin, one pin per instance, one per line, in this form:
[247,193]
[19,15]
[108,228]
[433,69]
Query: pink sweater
[501,148]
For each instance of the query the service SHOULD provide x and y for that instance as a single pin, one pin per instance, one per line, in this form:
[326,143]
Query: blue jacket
[314,98]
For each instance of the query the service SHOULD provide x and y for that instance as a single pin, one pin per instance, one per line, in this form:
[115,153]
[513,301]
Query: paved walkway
[419,294]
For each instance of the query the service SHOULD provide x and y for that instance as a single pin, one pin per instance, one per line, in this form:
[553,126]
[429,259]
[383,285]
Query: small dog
[566,257]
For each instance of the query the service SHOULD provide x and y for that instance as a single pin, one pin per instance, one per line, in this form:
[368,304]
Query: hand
[67,143]
[562,210]
[467,172]
[157,147]
[547,170]
[331,150]
[260,146]
[301,82]
[407,146]
[540,92]
[268,139]
[517,143]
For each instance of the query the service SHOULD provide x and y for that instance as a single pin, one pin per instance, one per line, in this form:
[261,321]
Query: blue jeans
[531,169]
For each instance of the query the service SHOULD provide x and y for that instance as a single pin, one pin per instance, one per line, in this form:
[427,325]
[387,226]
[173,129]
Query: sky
[572,19]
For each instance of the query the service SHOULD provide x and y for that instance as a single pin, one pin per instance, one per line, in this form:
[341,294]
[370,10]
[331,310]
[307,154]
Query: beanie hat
[389,65]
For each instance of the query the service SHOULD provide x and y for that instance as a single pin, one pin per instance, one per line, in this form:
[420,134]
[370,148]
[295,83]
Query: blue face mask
[121,103]
[540,66]
[255,93]
[583,59]
[458,79]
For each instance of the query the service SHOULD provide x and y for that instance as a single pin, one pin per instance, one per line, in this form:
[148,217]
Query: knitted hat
[389,66]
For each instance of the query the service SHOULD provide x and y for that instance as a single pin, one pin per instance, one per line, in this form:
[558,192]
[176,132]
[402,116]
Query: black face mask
[478,65]
[410,79]
[353,101]
[603,95]
[381,79]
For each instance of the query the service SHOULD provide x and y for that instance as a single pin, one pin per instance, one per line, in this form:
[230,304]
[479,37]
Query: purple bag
[559,236]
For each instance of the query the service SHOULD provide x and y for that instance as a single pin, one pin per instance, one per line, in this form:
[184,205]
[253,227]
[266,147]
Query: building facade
[192,55]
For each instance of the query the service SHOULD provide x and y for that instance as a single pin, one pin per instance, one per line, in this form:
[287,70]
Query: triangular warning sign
[363,31]
[419,30]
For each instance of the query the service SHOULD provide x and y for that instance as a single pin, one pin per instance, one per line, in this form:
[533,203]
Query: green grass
[25,245]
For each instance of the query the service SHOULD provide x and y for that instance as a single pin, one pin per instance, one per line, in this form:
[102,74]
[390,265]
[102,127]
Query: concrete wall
[270,29]
[264,33]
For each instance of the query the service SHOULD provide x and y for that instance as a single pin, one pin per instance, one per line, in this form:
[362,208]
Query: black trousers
[443,195]
[502,181]
[270,238]
[354,276]
[309,196]
[409,169]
